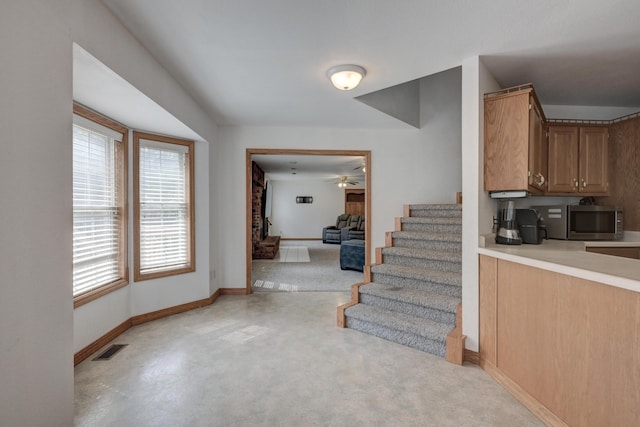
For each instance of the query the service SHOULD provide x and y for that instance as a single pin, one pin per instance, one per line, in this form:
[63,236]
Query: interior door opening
[263,224]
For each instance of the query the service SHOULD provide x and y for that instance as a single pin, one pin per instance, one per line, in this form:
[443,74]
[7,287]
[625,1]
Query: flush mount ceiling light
[346,77]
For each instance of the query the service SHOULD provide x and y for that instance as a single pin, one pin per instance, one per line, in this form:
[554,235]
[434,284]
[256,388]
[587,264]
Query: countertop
[571,258]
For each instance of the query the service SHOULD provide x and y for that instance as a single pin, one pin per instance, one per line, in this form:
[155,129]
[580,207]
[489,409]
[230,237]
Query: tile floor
[277,359]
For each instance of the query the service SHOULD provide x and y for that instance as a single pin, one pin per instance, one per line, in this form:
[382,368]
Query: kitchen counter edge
[571,258]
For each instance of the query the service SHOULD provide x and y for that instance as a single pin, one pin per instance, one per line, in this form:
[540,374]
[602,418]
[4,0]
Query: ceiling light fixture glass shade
[346,77]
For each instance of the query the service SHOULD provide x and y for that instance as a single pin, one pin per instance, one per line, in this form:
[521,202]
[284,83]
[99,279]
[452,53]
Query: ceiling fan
[344,181]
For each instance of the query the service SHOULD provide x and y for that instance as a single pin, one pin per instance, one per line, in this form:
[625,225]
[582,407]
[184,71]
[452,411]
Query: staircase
[411,296]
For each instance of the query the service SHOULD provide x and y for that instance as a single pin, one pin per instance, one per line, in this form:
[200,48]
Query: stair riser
[431,228]
[404,338]
[427,244]
[431,264]
[438,288]
[412,309]
[435,213]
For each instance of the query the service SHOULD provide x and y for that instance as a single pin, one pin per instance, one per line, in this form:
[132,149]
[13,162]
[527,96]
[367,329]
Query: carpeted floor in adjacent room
[288,273]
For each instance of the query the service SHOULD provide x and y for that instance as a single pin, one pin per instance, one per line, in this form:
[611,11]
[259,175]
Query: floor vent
[110,352]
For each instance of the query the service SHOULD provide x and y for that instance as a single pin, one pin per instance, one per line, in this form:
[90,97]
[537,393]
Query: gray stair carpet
[413,331]
[433,224]
[425,211]
[415,291]
[426,258]
[438,307]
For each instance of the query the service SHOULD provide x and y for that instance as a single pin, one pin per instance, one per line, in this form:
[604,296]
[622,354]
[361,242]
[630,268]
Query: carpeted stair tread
[423,328]
[437,348]
[437,206]
[427,236]
[412,296]
[435,276]
[455,220]
[435,211]
[431,254]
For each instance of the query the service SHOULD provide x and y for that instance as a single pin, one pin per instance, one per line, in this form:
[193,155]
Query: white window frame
[162,143]
[94,122]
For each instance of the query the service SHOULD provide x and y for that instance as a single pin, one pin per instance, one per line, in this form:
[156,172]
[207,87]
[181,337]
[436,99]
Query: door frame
[283,151]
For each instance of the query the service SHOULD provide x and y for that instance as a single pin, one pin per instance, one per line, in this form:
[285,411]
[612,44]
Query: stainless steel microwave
[582,222]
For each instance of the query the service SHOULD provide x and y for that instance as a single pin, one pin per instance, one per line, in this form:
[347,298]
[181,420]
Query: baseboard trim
[529,402]
[101,342]
[170,311]
[341,318]
[455,341]
[301,238]
[471,356]
[233,291]
[137,320]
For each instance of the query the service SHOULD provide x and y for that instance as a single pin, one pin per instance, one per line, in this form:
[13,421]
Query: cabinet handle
[540,179]
[575,183]
[584,183]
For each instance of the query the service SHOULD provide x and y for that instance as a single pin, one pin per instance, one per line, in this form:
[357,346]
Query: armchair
[358,232]
[352,224]
[332,233]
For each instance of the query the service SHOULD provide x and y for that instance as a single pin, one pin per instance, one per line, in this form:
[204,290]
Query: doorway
[365,154]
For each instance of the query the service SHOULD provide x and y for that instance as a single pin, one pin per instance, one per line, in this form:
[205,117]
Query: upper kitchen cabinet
[515,151]
[578,158]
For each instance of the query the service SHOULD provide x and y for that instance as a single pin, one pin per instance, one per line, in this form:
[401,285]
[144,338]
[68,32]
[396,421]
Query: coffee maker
[532,229]
[508,233]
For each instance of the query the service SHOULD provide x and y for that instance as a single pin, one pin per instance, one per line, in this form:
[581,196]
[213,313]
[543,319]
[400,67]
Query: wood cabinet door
[594,152]
[354,201]
[563,159]
[537,148]
[506,142]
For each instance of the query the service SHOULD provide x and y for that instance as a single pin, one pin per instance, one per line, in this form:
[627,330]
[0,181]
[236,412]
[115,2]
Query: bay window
[164,241]
[99,205]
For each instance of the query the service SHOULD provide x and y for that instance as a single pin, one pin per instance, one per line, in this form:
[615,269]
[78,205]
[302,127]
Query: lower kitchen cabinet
[568,344]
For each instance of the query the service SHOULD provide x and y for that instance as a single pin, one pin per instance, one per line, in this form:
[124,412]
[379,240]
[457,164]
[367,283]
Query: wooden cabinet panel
[488,308]
[578,160]
[563,159]
[506,142]
[594,176]
[626,252]
[538,163]
[514,151]
[354,201]
[624,171]
[572,344]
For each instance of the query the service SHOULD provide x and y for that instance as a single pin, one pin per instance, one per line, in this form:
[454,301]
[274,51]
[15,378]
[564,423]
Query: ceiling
[264,62]
[311,167]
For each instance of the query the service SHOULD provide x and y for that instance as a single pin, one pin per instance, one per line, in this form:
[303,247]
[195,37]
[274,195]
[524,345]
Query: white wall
[36,308]
[407,166]
[477,208]
[36,352]
[292,220]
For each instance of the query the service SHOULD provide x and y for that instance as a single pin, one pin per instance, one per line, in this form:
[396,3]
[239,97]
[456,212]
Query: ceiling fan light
[346,77]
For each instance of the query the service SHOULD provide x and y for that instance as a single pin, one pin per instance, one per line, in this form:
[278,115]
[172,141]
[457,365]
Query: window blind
[164,206]
[97,216]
